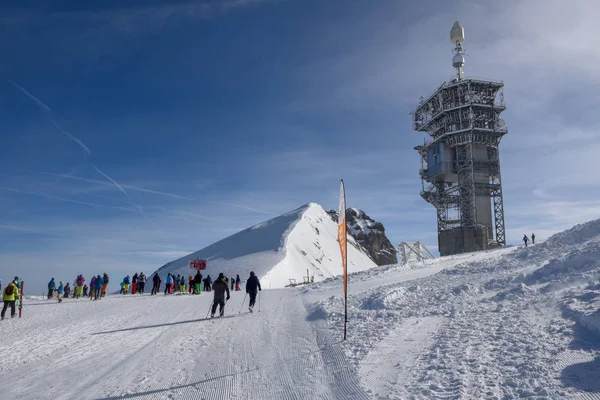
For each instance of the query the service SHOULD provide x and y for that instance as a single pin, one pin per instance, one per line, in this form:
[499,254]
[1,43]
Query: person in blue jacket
[169,282]
[98,283]
[51,287]
[127,282]
[61,290]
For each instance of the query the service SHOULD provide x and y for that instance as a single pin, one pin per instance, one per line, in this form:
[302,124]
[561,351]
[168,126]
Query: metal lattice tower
[460,162]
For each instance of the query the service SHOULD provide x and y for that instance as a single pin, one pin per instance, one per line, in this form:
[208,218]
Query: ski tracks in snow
[162,347]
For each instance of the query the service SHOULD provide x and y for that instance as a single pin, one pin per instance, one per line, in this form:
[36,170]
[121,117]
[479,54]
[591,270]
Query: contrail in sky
[86,149]
[32,97]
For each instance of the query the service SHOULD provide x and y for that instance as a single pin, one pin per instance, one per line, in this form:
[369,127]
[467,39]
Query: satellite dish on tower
[457,33]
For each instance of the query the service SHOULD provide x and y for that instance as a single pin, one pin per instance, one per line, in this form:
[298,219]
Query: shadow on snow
[191,321]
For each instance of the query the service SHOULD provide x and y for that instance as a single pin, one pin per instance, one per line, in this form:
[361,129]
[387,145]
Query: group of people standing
[137,283]
[96,290]
[526,239]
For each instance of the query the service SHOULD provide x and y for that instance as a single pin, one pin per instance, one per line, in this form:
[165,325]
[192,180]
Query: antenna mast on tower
[457,36]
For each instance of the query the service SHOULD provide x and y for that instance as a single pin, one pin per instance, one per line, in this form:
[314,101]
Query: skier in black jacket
[155,284]
[252,288]
[220,287]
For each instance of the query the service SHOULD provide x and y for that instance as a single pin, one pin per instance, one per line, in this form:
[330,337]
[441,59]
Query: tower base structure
[463,240]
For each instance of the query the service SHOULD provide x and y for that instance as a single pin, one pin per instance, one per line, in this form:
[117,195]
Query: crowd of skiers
[526,239]
[193,284]
[173,284]
[96,290]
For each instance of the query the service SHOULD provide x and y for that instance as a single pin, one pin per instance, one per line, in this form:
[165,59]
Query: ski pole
[208,312]
[242,303]
[259,300]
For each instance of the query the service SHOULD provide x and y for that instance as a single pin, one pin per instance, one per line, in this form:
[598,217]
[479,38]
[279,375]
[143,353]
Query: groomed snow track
[163,347]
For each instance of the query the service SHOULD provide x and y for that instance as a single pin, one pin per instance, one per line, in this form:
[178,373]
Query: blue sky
[134,135]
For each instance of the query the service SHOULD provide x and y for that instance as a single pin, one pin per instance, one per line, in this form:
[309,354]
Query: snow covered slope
[510,323]
[502,324]
[279,249]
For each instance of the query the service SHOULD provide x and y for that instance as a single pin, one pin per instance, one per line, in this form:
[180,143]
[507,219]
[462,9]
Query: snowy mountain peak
[278,250]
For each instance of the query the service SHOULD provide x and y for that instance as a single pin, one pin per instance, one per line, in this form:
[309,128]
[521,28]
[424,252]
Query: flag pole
[342,239]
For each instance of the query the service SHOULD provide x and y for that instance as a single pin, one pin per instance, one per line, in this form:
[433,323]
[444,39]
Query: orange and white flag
[342,238]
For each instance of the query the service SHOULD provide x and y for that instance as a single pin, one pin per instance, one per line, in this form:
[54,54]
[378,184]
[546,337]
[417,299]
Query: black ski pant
[141,287]
[252,301]
[12,305]
[154,288]
[221,304]
[50,292]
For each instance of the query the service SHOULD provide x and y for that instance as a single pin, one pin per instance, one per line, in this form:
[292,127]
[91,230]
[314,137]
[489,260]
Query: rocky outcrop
[370,234]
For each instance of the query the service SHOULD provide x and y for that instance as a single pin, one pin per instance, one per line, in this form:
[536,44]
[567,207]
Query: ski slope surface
[506,324]
[278,250]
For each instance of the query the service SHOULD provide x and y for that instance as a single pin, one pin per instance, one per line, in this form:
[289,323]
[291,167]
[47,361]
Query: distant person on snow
[134,282]
[533,238]
[9,297]
[168,283]
[220,287]
[99,282]
[191,284]
[79,287]
[237,283]
[60,291]
[85,290]
[105,280]
[525,240]
[198,283]
[92,287]
[51,287]
[67,290]
[232,282]
[182,284]
[252,288]
[141,283]
[127,282]
[155,284]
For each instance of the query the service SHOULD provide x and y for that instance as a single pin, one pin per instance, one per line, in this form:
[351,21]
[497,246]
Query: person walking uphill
[533,238]
[9,297]
[220,287]
[237,283]
[525,240]
[252,288]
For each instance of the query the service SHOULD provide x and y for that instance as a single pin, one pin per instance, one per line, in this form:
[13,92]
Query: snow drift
[278,250]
